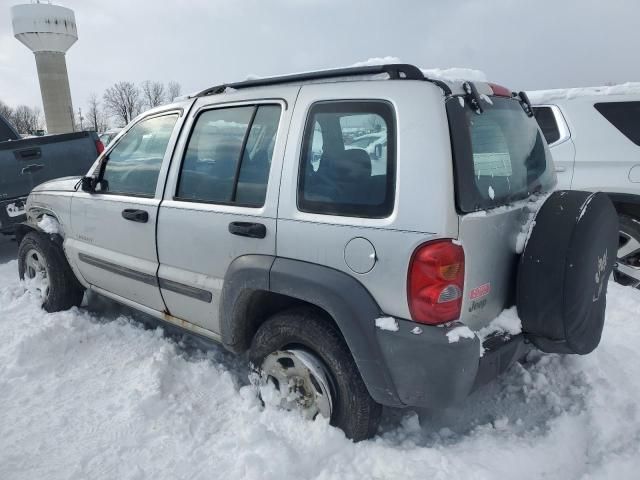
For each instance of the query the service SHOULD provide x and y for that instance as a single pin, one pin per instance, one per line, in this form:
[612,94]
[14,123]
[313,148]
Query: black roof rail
[396,71]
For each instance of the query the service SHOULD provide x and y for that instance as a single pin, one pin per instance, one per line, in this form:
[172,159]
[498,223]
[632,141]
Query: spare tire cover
[564,270]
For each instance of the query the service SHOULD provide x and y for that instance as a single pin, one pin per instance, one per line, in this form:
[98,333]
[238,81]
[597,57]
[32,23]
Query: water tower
[48,31]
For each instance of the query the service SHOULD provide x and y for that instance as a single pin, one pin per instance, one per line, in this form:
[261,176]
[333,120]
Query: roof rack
[396,71]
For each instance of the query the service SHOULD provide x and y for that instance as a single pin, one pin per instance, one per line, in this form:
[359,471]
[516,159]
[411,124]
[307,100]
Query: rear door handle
[248,229]
[558,168]
[135,215]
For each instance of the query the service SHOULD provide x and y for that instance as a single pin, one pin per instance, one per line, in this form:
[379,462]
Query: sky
[521,44]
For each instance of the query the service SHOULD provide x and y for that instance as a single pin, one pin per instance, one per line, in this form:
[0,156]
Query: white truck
[594,137]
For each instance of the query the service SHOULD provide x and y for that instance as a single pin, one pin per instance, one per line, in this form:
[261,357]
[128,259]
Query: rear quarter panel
[424,206]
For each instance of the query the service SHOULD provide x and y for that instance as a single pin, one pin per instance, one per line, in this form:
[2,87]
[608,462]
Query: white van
[594,137]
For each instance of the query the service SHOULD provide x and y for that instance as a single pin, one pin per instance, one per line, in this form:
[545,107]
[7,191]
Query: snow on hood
[545,96]
[64,184]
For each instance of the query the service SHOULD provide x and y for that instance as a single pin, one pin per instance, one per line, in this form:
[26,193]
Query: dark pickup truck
[25,163]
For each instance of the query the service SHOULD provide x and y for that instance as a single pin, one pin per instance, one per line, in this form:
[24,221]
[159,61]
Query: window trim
[387,112]
[105,158]
[561,122]
[226,106]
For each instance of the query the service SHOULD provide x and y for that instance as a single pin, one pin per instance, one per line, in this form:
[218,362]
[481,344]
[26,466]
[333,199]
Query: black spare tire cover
[564,270]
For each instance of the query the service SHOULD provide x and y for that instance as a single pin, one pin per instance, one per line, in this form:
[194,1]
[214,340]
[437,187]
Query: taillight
[435,282]
[500,91]
[99,146]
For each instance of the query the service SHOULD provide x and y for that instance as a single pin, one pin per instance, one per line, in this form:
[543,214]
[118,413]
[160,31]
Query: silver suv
[355,274]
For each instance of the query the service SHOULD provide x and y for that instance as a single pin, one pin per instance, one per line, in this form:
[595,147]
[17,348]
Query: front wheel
[301,354]
[627,268]
[42,260]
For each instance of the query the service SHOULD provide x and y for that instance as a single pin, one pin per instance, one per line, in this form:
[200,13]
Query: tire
[564,270]
[354,411]
[64,291]
[627,269]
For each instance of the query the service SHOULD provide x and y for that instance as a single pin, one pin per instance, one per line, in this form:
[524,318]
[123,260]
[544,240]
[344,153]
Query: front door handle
[135,215]
[31,168]
[248,229]
[560,168]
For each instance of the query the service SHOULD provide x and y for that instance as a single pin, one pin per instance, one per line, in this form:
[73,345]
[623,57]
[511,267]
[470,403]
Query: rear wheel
[42,260]
[301,354]
[627,268]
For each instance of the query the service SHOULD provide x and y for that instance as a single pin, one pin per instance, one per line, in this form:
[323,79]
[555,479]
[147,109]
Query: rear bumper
[10,215]
[429,371]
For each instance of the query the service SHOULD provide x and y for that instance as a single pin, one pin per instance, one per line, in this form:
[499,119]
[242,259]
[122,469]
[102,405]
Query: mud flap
[564,270]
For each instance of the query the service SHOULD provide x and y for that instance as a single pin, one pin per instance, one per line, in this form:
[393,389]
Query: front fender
[35,215]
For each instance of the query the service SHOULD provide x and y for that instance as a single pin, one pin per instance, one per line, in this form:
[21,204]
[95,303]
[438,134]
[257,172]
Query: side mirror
[88,184]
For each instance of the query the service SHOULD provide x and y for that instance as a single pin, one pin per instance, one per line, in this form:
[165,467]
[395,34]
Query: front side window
[625,116]
[228,156]
[348,160]
[132,167]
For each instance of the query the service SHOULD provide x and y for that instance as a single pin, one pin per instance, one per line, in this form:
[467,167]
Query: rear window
[500,155]
[547,121]
[625,116]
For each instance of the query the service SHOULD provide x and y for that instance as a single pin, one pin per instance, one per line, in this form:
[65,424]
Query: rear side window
[625,116]
[548,124]
[228,156]
[133,165]
[348,160]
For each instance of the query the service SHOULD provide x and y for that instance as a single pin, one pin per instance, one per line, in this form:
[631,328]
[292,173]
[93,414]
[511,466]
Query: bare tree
[6,111]
[96,118]
[153,93]
[123,101]
[174,89]
[26,119]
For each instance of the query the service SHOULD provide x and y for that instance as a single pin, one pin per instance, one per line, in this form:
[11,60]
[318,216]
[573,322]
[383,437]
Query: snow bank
[545,96]
[88,395]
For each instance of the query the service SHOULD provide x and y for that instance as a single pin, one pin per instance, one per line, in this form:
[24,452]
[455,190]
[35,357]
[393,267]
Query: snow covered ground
[93,394]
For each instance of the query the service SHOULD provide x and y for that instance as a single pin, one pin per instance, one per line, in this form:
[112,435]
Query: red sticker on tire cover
[481,291]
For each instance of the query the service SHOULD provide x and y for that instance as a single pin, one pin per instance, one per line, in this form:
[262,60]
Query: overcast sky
[199,43]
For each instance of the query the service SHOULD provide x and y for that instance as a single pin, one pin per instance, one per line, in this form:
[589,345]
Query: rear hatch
[503,170]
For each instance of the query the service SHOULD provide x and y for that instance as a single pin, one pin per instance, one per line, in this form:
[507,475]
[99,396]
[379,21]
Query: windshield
[500,155]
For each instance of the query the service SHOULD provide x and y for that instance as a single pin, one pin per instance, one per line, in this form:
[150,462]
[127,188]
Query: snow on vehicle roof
[453,75]
[546,96]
